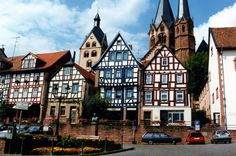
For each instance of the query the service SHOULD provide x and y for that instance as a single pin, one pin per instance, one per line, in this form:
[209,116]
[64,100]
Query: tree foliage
[198,68]
[95,104]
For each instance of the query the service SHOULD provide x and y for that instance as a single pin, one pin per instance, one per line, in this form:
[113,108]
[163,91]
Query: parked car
[195,138]
[3,134]
[159,137]
[36,129]
[221,136]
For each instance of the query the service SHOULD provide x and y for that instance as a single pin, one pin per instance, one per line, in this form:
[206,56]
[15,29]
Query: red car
[195,138]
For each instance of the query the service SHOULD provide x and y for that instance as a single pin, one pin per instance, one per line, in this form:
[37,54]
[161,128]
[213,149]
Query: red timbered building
[165,96]
[26,79]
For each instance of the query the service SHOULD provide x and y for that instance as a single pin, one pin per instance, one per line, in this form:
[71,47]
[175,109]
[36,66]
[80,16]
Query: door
[164,117]
[73,113]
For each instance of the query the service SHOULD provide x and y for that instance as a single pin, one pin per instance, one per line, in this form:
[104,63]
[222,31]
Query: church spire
[97,20]
[183,9]
[164,13]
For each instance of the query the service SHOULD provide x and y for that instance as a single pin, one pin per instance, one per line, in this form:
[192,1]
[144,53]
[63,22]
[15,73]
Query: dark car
[221,136]
[195,138]
[36,129]
[159,137]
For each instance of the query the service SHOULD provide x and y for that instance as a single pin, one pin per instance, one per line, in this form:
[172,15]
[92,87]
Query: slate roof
[203,47]
[49,60]
[183,9]
[164,13]
[224,37]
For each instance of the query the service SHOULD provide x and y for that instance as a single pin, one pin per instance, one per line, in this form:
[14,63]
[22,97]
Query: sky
[55,25]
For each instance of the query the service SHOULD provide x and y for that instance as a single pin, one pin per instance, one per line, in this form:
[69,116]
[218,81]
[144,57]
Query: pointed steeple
[183,9]
[97,20]
[164,13]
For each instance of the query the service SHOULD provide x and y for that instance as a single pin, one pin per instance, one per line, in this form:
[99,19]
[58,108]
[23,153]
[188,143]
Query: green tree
[198,69]
[95,104]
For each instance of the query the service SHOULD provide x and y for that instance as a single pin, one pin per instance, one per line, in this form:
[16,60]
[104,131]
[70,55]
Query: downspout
[224,98]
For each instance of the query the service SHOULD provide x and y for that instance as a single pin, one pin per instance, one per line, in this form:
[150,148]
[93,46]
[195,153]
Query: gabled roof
[50,59]
[85,73]
[224,37]
[164,13]
[203,47]
[183,10]
[110,46]
[164,46]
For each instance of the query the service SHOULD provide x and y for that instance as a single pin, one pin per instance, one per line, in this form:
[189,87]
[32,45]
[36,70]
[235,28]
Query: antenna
[14,50]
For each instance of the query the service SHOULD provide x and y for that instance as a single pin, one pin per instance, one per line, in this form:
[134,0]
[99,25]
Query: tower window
[183,28]
[94,44]
[152,40]
[86,54]
[87,44]
[177,30]
[162,38]
[89,63]
[162,28]
[94,53]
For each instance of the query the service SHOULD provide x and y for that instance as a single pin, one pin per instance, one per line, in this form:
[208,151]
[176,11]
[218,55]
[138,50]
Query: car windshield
[222,132]
[195,135]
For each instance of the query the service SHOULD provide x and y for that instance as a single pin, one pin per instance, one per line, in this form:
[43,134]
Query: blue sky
[54,25]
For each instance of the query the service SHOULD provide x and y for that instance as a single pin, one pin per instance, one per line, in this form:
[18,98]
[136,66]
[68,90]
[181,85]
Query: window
[162,38]
[148,79]
[164,78]
[129,93]
[35,92]
[86,54]
[211,50]
[112,56]
[179,78]
[63,110]
[89,63]
[15,93]
[119,56]
[164,96]
[26,64]
[107,73]
[180,96]
[125,55]
[87,44]
[94,44]
[27,78]
[55,88]
[1,94]
[164,61]
[52,110]
[17,79]
[213,98]
[118,93]
[94,53]
[36,77]
[118,73]
[64,88]
[74,87]
[31,63]
[162,28]
[129,72]
[3,78]
[183,28]
[175,116]
[148,96]
[67,71]
[152,40]
[25,92]
[108,94]
[177,30]
[217,93]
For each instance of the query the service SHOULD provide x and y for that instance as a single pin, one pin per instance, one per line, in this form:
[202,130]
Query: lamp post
[63,95]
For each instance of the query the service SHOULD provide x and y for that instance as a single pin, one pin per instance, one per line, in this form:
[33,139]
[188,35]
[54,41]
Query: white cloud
[47,25]
[224,18]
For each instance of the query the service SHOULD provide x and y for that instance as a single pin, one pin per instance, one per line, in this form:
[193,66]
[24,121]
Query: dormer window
[28,63]
[164,61]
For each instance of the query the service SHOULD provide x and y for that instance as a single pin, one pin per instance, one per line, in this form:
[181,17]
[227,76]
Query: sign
[45,128]
[21,105]
[197,125]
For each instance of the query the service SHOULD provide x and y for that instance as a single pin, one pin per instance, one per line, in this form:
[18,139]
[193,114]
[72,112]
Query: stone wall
[126,133]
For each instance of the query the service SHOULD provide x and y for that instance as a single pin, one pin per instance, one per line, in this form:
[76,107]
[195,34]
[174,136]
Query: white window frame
[16,93]
[129,93]
[25,92]
[35,92]
[179,78]
[148,96]
[108,73]
[118,73]
[108,96]
[75,87]
[164,96]
[178,94]
[164,78]
[149,79]
[164,61]
[67,71]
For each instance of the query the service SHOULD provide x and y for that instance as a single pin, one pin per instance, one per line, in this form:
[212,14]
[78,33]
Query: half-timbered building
[80,84]
[25,79]
[117,79]
[165,96]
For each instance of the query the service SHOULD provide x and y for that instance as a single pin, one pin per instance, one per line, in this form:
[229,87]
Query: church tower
[161,29]
[93,46]
[184,36]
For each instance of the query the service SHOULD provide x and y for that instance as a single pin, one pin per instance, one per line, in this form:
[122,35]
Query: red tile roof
[49,59]
[85,73]
[224,37]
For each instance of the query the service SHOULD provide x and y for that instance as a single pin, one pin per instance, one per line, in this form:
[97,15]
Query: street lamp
[62,95]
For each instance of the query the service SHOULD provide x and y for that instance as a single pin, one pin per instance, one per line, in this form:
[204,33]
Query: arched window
[162,28]
[177,29]
[94,53]
[86,54]
[162,38]
[183,28]
[152,40]
[94,44]
[89,63]
[88,44]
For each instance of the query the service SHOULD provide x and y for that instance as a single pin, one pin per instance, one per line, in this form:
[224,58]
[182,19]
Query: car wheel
[150,142]
[174,142]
